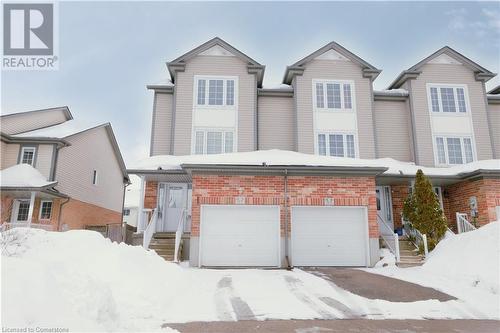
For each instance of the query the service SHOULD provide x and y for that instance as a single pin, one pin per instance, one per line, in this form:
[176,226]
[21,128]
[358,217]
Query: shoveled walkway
[374,286]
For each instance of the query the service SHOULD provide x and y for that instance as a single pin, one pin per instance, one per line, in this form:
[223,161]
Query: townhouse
[57,175]
[315,170]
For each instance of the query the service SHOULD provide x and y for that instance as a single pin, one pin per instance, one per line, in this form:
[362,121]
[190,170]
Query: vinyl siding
[75,164]
[451,74]
[24,122]
[44,159]
[214,65]
[9,154]
[334,70]
[276,122]
[494,116]
[162,124]
[392,130]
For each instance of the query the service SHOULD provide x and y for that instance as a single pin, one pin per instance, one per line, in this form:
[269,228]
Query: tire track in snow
[295,285]
[225,292]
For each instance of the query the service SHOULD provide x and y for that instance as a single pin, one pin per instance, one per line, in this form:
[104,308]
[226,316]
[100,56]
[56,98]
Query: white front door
[172,199]
[329,236]
[384,205]
[239,235]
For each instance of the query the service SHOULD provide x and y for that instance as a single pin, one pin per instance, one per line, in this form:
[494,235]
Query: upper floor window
[215,91]
[333,144]
[336,95]
[94,177]
[448,99]
[28,155]
[209,141]
[453,150]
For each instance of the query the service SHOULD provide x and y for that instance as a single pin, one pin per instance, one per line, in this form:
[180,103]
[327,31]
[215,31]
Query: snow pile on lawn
[466,266]
[276,157]
[23,175]
[473,257]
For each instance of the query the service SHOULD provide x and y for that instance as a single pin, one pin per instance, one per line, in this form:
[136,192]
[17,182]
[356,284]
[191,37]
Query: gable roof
[298,67]
[495,91]
[64,109]
[178,64]
[481,73]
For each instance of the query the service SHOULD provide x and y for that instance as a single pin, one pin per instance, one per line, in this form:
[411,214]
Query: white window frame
[95,177]
[40,212]
[440,102]
[224,92]
[205,130]
[15,210]
[457,136]
[325,96]
[25,148]
[344,141]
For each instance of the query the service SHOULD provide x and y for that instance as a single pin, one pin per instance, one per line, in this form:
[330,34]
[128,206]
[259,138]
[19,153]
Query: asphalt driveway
[374,286]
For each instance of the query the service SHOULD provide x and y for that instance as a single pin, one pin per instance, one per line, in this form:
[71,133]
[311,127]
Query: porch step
[164,235]
[163,243]
[408,254]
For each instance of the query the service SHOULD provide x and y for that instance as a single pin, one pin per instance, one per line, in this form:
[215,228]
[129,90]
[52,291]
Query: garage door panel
[239,235]
[329,236]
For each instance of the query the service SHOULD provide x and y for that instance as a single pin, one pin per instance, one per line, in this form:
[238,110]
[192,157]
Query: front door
[384,205]
[172,199]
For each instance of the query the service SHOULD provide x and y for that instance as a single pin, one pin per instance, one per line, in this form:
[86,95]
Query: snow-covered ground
[79,280]
[466,266]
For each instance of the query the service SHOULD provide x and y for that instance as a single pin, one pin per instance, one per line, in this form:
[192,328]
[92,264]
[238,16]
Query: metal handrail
[178,234]
[416,234]
[390,238]
[462,224]
[150,230]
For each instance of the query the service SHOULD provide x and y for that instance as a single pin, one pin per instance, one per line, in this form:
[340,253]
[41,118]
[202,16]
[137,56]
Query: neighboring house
[131,203]
[83,170]
[252,210]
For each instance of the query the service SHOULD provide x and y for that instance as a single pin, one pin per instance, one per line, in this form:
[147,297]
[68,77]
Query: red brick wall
[487,192]
[150,192]
[269,190]
[398,195]
[6,210]
[78,214]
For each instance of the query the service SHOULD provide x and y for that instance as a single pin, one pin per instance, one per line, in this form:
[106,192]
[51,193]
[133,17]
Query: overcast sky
[110,51]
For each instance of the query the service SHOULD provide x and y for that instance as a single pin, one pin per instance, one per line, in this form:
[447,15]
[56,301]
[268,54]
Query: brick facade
[7,205]
[150,193]
[78,214]
[269,190]
[487,192]
[399,193]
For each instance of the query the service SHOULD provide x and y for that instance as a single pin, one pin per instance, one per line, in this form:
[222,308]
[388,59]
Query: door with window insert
[172,199]
[384,205]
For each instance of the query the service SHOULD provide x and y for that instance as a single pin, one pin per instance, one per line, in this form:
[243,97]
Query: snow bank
[276,157]
[23,175]
[82,281]
[473,257]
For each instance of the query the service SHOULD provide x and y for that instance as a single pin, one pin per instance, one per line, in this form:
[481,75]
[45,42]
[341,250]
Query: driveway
[374,286]
[340,326]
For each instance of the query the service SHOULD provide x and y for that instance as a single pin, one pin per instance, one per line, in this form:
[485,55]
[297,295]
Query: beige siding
[276,122]
[392,130]
[29,121]
[44,159]
[162,124]
[451,74]
[9,154]
[214,65]
[494,117]
[334,70]
[90,150]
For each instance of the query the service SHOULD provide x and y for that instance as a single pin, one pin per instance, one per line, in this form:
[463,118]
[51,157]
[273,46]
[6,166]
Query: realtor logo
[29,36]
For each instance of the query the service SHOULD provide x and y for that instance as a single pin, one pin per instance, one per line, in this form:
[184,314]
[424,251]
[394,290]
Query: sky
[110,51]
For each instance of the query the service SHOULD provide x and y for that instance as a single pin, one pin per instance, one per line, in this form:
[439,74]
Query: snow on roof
[281,86]
[58,131]
[23,176]
[277,157]
[165,82]
[392,92]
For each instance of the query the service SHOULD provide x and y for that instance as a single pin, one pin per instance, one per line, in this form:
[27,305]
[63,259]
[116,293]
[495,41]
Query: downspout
[285,203]
[60,214]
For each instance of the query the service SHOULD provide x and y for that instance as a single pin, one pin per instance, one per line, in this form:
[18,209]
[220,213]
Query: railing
[462,224]
[178,234]
[390,238]
[418,238]
[11,225]
[150,230]
[144,217]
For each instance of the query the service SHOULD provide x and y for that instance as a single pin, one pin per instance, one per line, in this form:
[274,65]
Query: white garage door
[329,236]
[236,235]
